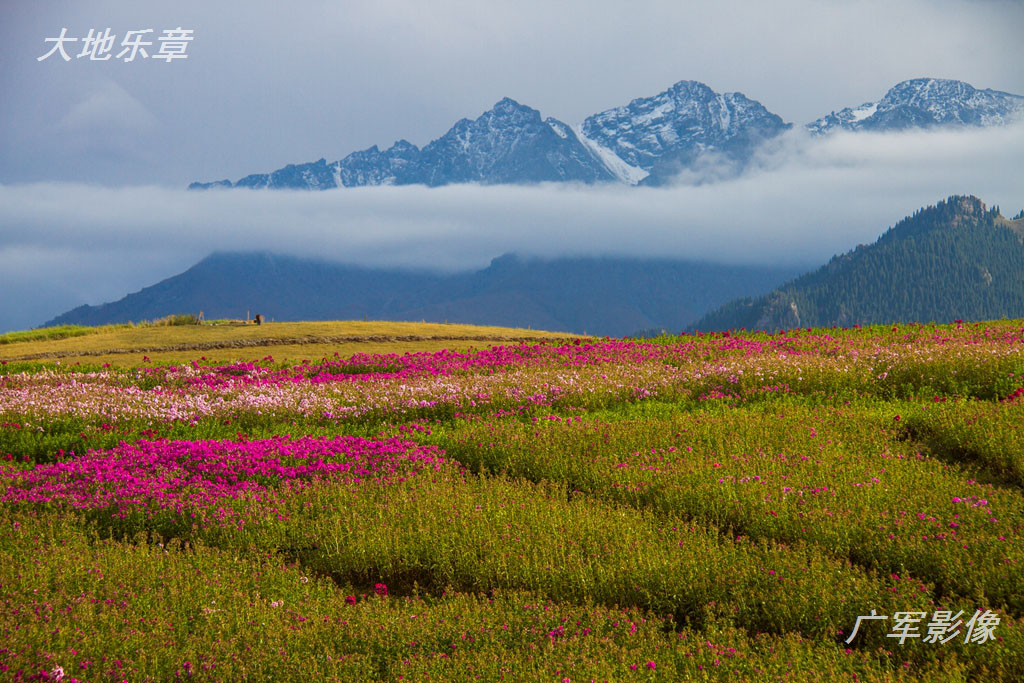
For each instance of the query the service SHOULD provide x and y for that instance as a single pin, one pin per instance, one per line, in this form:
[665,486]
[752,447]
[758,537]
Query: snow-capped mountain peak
[925,103]
[688,126]
[509,143]
[658,134]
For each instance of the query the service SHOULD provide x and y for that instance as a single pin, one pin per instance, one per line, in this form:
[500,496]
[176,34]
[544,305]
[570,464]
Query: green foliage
[953,261]
[823,476]
[246,615]
[989,434]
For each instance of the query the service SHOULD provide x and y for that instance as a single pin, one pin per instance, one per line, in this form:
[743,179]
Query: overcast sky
[94,155]
[269,83]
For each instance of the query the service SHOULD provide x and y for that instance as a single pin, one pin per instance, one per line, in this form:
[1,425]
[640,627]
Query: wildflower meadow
[810,505]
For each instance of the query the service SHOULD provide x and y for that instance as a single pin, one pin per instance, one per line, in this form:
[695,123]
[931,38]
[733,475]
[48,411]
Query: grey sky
[94,156]
[267,83]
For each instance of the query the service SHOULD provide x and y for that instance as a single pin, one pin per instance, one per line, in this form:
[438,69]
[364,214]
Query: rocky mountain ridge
[648,141]
[926,103]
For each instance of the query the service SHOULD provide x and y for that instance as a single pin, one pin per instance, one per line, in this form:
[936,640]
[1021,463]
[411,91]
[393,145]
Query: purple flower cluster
[372,368]
[176,474]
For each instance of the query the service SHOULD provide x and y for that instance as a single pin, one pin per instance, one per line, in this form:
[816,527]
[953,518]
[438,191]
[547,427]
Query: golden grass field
[127,346]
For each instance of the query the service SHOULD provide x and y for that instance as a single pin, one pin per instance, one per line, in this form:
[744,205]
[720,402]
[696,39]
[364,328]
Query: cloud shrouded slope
[802,201]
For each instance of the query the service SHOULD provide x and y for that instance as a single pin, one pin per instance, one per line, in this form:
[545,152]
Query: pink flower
[651,666]
[380,589]
[351,599]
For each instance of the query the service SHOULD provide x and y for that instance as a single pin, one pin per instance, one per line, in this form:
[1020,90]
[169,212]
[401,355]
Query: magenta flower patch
[170,474]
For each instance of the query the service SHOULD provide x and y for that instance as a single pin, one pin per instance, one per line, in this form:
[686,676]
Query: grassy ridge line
[52,333]
[672,466]
[66,331]
[98,341]
[518,635]
[481,533]
[476,534]
[274,341]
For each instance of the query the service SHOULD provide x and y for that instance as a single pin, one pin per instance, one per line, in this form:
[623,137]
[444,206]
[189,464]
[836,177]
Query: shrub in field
[177,319]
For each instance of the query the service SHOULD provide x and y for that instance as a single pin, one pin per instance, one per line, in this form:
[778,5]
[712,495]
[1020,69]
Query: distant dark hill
[604,296]
[954,261]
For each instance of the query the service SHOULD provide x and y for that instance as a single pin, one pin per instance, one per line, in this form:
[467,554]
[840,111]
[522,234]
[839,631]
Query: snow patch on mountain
[864,111]
[614,163]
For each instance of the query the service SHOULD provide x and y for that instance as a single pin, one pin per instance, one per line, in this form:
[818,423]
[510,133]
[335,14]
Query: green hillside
[954,261]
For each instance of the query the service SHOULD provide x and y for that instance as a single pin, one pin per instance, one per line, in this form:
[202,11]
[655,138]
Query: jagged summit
[649,141]
[925,103]
[509,143]
[507,104]
[668,131]
[687,113]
